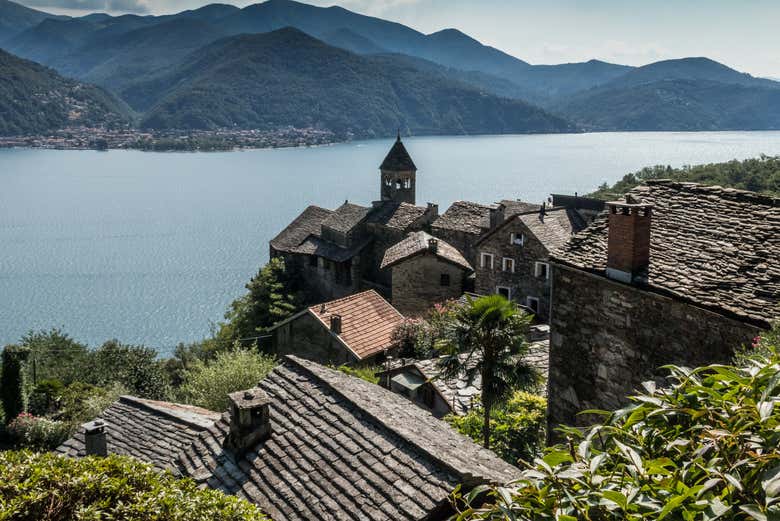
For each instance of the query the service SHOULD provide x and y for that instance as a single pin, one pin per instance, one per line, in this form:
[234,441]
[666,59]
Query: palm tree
[487,339]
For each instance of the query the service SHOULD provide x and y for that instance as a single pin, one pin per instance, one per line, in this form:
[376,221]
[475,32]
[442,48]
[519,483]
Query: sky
[740,33]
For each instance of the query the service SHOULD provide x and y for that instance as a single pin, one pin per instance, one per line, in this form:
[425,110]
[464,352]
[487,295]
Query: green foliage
[36,433]
[47,487]
[271,298]
[421,338]
[44,397]
[137,368]
[365,372]
[207,383]
[13,382]
[516,427]
[765,345]
[56,355]
[705,447]
[760,174]
[487,339]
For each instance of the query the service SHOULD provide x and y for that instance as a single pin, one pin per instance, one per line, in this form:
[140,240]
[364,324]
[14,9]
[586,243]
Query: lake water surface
[152,247]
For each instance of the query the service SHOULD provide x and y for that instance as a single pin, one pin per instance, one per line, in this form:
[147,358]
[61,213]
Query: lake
[152,247]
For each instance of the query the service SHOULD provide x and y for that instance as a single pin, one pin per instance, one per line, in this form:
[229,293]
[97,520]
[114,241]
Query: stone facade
[608,337]
[424,280]
[308,338]
[514,268]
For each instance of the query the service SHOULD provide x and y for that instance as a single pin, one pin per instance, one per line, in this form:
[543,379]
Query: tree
[271,298]
[56,356]
[137,368]
[487,339]
[13,381]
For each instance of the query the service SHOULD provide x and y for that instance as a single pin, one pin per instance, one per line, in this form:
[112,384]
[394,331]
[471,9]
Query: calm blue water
[152,247]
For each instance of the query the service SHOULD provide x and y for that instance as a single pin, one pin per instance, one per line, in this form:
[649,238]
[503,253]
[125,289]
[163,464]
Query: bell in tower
[398,175]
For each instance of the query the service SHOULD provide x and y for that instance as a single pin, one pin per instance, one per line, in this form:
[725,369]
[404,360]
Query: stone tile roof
[714,247]
[346,217]
[458,392]
[464,216]
[396,215]
[417,243]
[398,159]
[367,321]
[343,448]
[309,222]
[553,229]
[154,432]
[513,206]
[314,245]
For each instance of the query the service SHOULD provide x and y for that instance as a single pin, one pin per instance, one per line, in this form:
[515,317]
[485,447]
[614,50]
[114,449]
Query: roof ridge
[185,417]
[734,194]
[345,299]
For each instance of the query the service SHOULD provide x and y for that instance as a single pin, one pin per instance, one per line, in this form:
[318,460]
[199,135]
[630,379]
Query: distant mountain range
[369,77]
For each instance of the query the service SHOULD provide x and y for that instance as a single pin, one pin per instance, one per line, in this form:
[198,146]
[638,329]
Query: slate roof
[396,215]
[715,247]
[553,229]
[155,432]
[343,448]
[513,206]
[346,217]
[398,159]
[367,322]
[309,222]
[464,216]
[315,245]
[458,392]
[417,243]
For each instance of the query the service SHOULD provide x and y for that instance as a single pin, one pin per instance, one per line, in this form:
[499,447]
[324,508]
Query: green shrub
[136,368]
[47,487]
[207,383]
[33,432]
[56,355]
[705,447]
[367,373]
[516,427]
[44,398]
[13,383]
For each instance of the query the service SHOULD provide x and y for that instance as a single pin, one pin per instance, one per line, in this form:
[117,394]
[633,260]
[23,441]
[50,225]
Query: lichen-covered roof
[346,217]
[513,206]
[343,448]
[151,431]
[714,247]
[417,243]
[464,216]
[309,222]
[396,215]
[398,159]
[553,229]
[315,245]
[367,321]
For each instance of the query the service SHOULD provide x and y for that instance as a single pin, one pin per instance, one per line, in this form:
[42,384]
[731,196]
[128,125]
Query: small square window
[444,280]
[504,292]
[542,270]
[516,239]
[508,264]
[533,304]
[486,261]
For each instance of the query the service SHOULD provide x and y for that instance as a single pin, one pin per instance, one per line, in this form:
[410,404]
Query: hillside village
[675,273]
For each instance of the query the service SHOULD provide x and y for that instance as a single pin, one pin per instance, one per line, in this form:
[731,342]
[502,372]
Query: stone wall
[462,241]
[608,337]
[523,282]
[417,283]
[325,280]
[308,338]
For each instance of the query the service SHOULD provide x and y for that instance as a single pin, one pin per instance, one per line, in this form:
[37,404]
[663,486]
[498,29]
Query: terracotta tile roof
[343,448]
[715,247]
[367,321]
[309,222]
[398,159]
[417,243]
[154,432]
[464,216]
[396,215]
[346,217]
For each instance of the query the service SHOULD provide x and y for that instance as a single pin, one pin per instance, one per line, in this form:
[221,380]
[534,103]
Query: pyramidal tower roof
[398,159]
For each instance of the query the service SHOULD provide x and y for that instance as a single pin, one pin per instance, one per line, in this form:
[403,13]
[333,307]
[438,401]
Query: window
[398,184]
[533,304]
[486,261]
[313,261]
[516,239]
[509,264]
[542,270]
[504,292]
[388,181]
[444,280]
[407,182]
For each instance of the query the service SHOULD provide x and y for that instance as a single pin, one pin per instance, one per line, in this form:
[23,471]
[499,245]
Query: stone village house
[307,443]
[679,273]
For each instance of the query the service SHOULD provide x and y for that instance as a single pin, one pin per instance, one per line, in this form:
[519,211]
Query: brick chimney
[335,324]
[433,245]
[628,248]
[250,421]
[95,440]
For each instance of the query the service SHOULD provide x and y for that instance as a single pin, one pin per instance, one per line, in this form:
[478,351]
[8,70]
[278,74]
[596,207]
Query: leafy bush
[367,372]
[13,383]
[44,397]
[137,368]
[37,433]
[47,487]
[207,383]
[705,447]
[56,355]
[516,427]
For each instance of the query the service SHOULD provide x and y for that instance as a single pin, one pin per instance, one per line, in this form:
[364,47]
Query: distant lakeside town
[98,138]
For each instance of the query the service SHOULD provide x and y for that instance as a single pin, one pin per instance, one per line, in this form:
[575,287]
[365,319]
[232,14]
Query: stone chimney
[497,215]
[433,245]
[433,209]
[95,440]
[250,421]
[628,248]
[335,324]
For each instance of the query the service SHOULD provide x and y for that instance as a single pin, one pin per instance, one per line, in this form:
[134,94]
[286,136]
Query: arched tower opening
[398,175]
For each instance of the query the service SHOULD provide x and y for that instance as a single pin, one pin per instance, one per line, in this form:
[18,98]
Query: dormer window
[516,239]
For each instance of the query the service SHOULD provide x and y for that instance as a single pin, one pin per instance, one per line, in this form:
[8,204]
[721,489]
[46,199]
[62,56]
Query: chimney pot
[497,215]
[335,324]
[628,246]
[95,439]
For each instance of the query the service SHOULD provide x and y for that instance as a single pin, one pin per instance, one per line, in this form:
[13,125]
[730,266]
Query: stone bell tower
[398,175]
